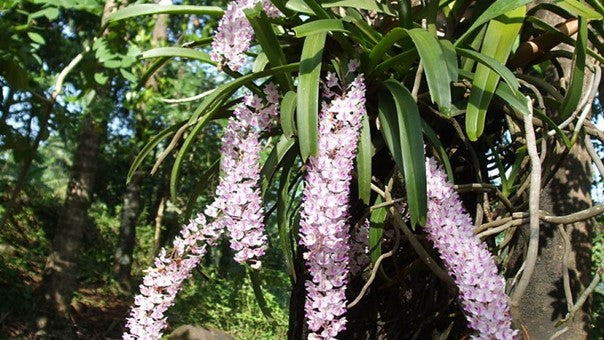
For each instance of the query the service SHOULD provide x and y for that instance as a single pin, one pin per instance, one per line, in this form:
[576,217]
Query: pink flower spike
[467,259]
[238,192]
[234,34]
[324,230]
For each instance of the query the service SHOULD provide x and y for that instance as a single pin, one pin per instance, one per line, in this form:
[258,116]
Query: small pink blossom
[324,230]
[234,34]
[237,207]
[468,260]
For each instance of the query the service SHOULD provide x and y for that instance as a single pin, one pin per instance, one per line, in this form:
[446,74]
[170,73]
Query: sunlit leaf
[149,9]
[307,113]
[498,41]
[409,149]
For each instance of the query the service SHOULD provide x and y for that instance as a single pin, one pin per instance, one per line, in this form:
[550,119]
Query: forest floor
[97,312]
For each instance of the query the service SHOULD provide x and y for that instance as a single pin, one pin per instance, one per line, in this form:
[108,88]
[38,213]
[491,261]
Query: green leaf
[255,280]
[380,49]
[498,41]
[129,76]
[158,63]
[37,38]
[573,96]
[286,116]
[403,60]
[308,94]
[299,6]
[186,145]
[439,147]
[376,230]
[100,78]
[411,148]
[405,13]
[320,26]
[222,92]
[182,52]
[149,9]
[369,5]
[579,9]
[437,72]
[260,62]
[264,34]
[519,103]
[317,9]
[151,144]
[496,9]
[494,65]
[273,161]
[284,199]
[450,58]
[51,13]
[363,161]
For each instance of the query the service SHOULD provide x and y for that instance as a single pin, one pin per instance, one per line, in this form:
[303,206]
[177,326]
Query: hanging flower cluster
[234,33]
[324,230]
[163,282]
[237,207]
[481,289]
[238,195]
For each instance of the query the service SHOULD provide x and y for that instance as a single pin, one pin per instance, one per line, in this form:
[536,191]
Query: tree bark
[130,212]
[544,302]
[59,281]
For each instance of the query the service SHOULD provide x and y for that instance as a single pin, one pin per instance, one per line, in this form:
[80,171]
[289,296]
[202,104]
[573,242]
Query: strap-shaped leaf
[286,115]
[573,96]
[496,9]
[284,199]
[405,13]
[450,58]
[439,147]
[151,144]
[273,161]
[178,52]
[149,9]
[320,26]
[376,230]
[579,9]
[186,145]
[224,91]
[363,161]
[299,6]
[504,92]
[259,294]
[307,113]
[264,34]
[494,65]
[158,63]
[410,144]
[369,5]
[437,73]
[498,41]
[380,49]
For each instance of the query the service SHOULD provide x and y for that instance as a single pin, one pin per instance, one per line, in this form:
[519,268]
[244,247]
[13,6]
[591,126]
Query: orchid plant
[360,105]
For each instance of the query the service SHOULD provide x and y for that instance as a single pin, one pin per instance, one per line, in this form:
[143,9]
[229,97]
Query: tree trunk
[544,303]
[59,281]
[123,254]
